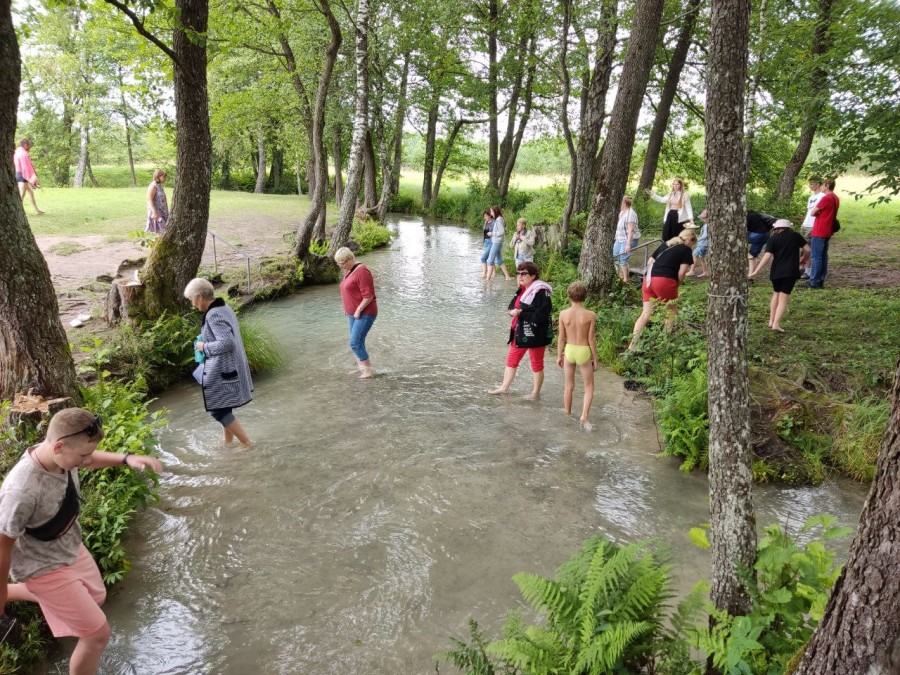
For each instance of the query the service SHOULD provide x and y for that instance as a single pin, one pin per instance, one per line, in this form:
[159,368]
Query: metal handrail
[646,246]
[234,248]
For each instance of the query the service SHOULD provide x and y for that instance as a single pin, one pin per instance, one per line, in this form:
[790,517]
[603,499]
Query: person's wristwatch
[125,458]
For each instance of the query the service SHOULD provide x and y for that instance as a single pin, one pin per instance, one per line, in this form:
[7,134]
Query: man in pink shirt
[825,213]
[26,176]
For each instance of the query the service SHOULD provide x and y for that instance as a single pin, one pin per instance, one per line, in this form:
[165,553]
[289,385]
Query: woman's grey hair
[199,288]
[343,254]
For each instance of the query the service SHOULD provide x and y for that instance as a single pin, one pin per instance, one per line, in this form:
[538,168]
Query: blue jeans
[359,328]
[757,240]
[495,255]
[619,254]
[486,252]
[818,247]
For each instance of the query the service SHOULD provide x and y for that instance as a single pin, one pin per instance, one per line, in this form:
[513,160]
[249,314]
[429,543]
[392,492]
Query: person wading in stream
[531,329]
[40,537]
[224,372]
[360,306]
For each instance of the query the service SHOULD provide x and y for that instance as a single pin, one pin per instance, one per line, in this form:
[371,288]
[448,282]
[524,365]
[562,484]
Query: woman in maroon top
[358,298]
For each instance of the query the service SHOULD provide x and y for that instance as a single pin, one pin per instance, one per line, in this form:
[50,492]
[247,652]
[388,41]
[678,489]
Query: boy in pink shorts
[40,538]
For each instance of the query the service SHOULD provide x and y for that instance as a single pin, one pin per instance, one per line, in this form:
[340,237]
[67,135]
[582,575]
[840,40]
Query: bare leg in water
[235,430]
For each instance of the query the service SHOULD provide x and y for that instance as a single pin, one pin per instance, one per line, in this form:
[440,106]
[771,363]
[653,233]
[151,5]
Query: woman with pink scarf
[531,330]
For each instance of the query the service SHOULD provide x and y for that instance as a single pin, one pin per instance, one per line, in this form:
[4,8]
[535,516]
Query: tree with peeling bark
[341,234]
[34,349]
[860,631]
[175,258]
[596,264]
[732,523]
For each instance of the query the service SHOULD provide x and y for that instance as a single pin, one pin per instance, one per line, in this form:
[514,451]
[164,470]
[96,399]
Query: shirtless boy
[578,347]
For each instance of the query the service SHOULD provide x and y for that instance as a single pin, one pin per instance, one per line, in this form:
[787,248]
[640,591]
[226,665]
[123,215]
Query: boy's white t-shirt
[811,203]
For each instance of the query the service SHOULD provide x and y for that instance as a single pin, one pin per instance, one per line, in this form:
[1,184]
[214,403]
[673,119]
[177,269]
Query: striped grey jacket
[226,379]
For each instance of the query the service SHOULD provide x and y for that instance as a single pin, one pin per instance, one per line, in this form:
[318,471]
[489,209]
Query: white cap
[782,222]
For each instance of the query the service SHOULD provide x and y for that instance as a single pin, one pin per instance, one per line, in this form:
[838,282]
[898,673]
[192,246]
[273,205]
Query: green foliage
[547,206]
[369,235]
[791,589]
[858,440]
[682,418]
[603,613]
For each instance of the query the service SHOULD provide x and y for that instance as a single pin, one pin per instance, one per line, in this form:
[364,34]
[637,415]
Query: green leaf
[698,537]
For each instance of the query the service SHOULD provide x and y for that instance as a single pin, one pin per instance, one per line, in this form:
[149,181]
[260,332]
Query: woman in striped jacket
[224,374]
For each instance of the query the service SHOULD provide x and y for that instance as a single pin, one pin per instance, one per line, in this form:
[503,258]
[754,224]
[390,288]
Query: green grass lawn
[116,212]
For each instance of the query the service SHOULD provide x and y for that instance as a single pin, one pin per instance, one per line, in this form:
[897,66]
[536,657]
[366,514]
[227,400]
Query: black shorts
[784,285]
[223,416]
[20,178]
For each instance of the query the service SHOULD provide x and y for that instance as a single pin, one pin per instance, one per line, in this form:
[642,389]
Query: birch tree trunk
[338,168]
[733,528]
[596,265]
[566,80]
[127,122]
[493,68]
[860,630]
[667,96]
[81,168]
[360,130]
[260,187]
[34,350]
[593,110]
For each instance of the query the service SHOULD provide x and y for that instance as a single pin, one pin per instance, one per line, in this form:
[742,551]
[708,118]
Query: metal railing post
[215,256]
[248,277]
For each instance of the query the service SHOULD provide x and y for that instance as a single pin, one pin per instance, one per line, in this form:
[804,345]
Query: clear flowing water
[373,517]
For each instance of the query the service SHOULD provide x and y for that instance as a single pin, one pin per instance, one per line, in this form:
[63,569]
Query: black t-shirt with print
[668,259]
[785,246]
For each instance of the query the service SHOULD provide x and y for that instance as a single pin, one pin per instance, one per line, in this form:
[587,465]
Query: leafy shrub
[788,601]
[369,235]
[547,205]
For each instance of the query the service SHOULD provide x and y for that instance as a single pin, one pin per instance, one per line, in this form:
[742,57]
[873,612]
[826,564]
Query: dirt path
[81,267]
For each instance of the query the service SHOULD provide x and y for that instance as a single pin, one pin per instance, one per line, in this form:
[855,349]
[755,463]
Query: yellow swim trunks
[578,354]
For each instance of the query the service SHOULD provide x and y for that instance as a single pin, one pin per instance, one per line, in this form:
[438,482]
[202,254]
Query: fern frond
[605,651]
[551,597]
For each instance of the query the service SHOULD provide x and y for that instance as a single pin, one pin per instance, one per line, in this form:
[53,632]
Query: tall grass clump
[262,347]
[858,439]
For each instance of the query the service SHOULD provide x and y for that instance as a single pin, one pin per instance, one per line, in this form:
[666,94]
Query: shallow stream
[373,517]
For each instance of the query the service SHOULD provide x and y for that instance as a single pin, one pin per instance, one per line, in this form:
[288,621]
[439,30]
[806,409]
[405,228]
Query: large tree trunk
[260,187]
[667,96]
[596,265]
[398,127]
[175,258]
[593,110]
[861,627]
[81,169]
[370,174]
[360,130]
[430,142]
[818,87]
[445,159]
[34,350]
[566,80]
[338,168]
[320,191]
[732,524]
[318,233]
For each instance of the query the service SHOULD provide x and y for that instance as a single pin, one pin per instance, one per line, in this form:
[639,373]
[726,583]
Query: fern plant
[603,614]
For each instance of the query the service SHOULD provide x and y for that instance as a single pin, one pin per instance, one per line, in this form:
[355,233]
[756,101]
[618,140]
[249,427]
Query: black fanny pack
[64,519]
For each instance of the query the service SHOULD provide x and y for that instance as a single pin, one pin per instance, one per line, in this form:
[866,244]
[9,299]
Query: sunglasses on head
[91,429]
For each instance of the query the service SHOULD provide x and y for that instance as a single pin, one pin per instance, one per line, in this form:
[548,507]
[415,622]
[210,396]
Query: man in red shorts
[40,538]
[666,269]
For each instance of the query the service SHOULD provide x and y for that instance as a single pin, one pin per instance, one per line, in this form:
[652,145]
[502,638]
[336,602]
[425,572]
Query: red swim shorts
[536,354]
[661,288]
